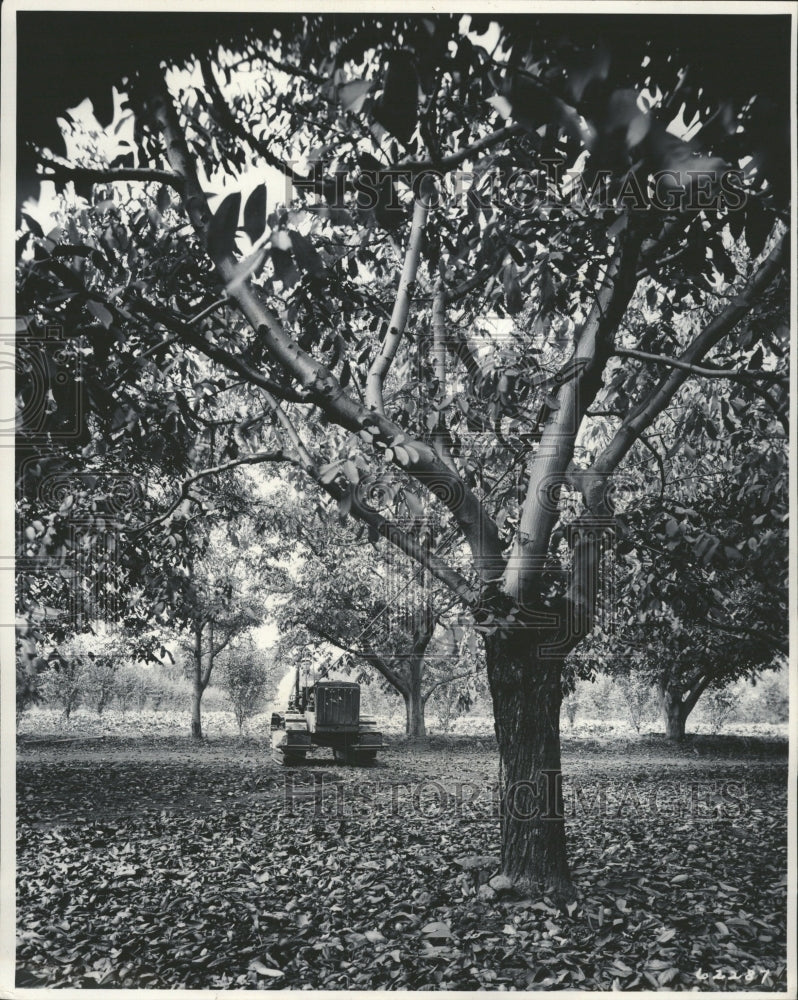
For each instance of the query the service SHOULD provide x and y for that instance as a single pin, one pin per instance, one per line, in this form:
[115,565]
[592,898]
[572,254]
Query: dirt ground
[108,827]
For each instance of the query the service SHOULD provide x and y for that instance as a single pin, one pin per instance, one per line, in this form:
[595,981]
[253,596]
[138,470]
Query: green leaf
[223,225]
[327,473]
[98,310]
[305,254]
[513,297]
[351,95]
[255,213]
[397,108]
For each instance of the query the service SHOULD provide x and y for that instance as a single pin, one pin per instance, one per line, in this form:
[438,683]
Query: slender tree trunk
[674,714]
[198,687]
[196,717]
[416,727]
[527,694]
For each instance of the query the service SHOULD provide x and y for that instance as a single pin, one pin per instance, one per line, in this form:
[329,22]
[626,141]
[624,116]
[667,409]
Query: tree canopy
[507,251]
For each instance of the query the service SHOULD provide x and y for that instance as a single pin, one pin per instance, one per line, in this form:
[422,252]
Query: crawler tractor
[325,714]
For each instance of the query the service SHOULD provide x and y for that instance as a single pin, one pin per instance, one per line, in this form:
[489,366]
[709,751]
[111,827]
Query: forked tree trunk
[674,714]
[527,694]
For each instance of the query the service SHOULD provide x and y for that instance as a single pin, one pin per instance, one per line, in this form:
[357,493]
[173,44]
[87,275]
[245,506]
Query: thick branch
[696,690]
[406,543]
[416,457]
[219,354]
[396,327]
[594,343]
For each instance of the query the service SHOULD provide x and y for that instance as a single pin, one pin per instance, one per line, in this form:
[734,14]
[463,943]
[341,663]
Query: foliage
[126,685]
[62,684]
[452,701]
[244,679]
[502,356]
[571,707]
[637,696]
[370,610]
[601,694]
[719,707]
[99,683]
[27,689]
[773,698]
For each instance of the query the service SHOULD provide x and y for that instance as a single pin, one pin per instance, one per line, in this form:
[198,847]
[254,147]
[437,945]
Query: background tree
[63,682]
[645,123]
[101,653]
[383,612]
[244,678]
[125,690]
[222,601]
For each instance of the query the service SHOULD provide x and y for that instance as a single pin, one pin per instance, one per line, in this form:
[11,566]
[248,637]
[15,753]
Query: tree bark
[198,687]
[526,691]
[196,717]
[416,727]
[674,713]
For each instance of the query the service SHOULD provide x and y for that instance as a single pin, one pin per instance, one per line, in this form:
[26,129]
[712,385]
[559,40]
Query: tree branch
[453,160]
[254,459]
[648,410]
[447,680]
[440,434]
[394,679]
[382,363]
[291,70]
[223,644]
[232,122]
[438,325]
[696,690]
[110,175]
[220,354]
[594,343]
[706,371]
[323,389]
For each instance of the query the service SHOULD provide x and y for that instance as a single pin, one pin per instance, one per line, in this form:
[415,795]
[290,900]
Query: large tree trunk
[674,714]
[416,726]
[527,694]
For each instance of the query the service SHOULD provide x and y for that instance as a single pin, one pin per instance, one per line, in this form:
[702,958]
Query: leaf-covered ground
[154,863]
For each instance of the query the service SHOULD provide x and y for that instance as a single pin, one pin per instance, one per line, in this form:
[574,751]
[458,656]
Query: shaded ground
[155,863]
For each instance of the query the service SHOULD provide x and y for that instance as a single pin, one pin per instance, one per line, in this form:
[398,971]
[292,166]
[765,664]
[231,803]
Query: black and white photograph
[397,427]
